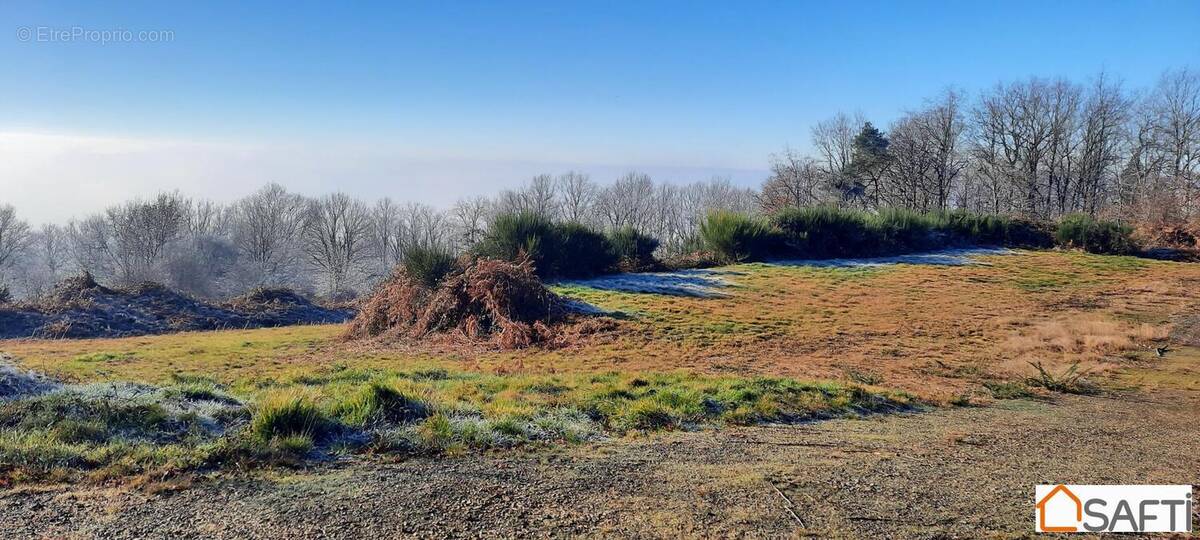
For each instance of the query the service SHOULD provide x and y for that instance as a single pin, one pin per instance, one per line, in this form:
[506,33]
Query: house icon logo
[1055,509]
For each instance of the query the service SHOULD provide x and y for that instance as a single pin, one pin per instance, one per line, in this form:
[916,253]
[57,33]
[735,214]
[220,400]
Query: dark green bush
[992,229]
[822,231]
[567,250]
[969,226]
[827,231]
[735,237]
[896,230]
[634,250]
[429,265]
[1028,233]
[582,252]
[1094,236]
[511,236]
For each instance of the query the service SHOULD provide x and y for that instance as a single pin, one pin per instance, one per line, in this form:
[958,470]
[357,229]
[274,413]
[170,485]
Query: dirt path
[960,472]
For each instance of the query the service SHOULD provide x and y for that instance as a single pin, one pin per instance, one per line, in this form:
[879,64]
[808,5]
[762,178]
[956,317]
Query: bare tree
[395,229]
[469,217]
[128,242]
[1019,130]
[422,226]
[538,197]
[834,140]
[685,207]
[385,221]
[1105,118]
[207,218]
[1175,108]
[51,253]
[336,238]
[795,181]
[266,228]
[926,156]
[14,238]
[14,234]
[626,202]
[577,196]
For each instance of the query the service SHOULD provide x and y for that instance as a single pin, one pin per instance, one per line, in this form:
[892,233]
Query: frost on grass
[114,429]
[708,283]
[689,283]
[16,383]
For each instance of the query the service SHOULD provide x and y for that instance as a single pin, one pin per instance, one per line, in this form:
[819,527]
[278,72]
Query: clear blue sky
[691,85]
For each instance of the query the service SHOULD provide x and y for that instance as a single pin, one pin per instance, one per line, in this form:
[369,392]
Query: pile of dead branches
[487,300]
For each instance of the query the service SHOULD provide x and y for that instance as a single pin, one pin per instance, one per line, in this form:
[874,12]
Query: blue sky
[435,100]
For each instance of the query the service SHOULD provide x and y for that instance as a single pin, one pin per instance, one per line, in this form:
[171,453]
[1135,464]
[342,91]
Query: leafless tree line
[333,245]
[1040,148]
[669,212]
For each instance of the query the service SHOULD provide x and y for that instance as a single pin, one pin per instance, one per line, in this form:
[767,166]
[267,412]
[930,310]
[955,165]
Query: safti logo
[1093,509]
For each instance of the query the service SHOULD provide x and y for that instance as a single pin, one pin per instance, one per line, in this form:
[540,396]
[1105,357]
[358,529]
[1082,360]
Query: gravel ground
[951,473]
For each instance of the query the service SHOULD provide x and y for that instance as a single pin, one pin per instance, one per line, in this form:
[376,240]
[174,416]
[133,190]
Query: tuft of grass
[114,430]
[379,402]
[101,357]
[869,378]
[1070,381]
[436,432]
[297,444]
[198,388]
[287,414]
[1008,389]
[649,415]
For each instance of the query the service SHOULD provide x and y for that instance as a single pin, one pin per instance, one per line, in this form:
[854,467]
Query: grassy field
[934,331]
[871,339]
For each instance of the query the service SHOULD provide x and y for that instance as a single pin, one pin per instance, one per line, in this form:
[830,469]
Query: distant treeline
[1032,162]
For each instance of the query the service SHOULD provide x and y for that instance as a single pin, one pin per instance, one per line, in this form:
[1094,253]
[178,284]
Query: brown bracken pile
[488,300]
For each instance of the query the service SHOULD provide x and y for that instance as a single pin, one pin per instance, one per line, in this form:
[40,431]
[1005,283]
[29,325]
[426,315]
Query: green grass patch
[110,430]
[286,415]
[195,423]
[101,357]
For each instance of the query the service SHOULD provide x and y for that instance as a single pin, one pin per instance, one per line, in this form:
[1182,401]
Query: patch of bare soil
[955,472]
[81,308]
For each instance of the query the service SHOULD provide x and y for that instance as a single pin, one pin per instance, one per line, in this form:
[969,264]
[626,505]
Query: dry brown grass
[1084,338]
